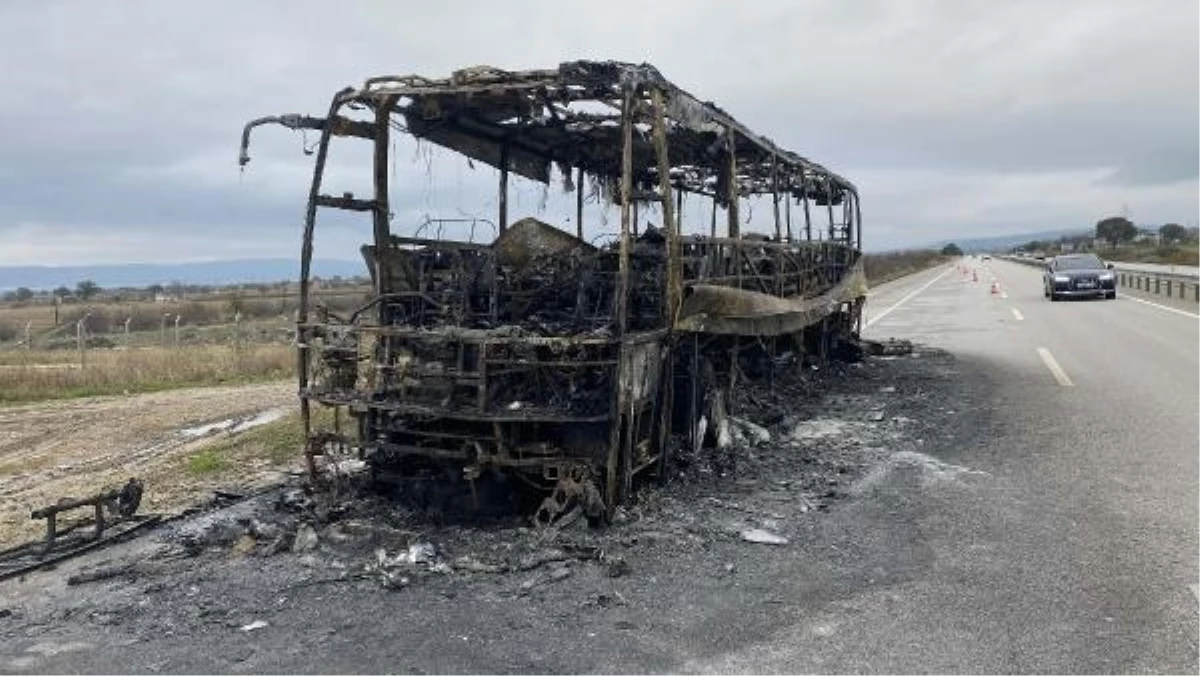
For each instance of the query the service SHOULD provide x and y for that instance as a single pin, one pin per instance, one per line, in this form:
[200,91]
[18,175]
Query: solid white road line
[1017,313]
[1195,590]
[905,299]
[1161,307]
[1059,374]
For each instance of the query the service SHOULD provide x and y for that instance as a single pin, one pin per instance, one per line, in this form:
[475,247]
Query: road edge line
[905,299]
[1160,307]
[1055,370]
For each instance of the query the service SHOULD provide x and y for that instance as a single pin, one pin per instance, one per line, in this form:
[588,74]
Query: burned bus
[539,355]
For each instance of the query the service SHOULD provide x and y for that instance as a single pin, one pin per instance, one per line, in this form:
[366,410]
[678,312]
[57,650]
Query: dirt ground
[78,447]
[350,581]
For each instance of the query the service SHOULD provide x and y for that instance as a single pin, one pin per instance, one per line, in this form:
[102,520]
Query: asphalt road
[1078,550]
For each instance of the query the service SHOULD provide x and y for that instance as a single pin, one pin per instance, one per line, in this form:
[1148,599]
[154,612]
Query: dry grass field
[31,375]
[884,267]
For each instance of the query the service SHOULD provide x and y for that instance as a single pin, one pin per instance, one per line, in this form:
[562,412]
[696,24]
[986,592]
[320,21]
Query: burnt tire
[129,498]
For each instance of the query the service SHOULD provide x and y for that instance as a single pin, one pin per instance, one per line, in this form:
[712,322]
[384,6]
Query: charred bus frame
[538,354]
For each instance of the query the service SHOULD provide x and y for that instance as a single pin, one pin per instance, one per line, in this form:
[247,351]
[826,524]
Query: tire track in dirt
[78,447]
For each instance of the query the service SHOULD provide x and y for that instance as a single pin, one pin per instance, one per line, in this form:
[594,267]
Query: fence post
[28,335]
[1157,285]
[1168,288]
[127,320]
[80,341]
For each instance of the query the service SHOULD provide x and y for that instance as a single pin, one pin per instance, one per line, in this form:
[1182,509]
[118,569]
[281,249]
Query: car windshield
[1078,263]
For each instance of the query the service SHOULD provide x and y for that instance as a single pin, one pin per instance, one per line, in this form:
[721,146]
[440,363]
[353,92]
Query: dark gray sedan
[1079,275]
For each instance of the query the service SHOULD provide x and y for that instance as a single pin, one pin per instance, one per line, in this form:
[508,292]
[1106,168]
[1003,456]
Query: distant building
[1146,235]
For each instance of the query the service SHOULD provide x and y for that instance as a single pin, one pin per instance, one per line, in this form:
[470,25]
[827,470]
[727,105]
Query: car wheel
[1111,295]
[1053,297]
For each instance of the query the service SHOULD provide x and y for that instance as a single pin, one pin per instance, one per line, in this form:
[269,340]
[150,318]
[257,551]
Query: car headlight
[1062,279]
[1107,275]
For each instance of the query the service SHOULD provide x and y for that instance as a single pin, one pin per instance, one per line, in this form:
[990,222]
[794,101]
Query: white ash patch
[234,425]
[931,471]
[819,428]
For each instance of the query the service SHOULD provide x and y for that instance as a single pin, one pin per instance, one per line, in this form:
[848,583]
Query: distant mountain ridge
[1000,243]
[243,271]
[265,270]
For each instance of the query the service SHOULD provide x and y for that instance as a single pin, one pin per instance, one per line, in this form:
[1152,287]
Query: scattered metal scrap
[113,519]
[542,357]
[120,503]
[889,348]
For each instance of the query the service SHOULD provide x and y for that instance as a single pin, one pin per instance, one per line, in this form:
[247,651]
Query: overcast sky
[119,121]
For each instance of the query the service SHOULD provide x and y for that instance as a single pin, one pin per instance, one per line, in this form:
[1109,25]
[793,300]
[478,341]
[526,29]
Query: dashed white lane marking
[905,299]
[1017,313]
[1195,590]
[1057,371]
[1161,307]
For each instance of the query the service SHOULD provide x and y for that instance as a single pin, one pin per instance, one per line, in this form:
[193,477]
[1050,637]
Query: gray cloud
[119,121]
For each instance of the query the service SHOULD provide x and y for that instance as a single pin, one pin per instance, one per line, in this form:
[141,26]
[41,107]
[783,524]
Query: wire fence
[173,331]
[113,322]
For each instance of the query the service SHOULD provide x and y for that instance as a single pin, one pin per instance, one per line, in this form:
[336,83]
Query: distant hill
[257,270]
[1006,242]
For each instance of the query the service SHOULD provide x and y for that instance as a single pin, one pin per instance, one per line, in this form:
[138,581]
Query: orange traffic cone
[974,276]
[995,288]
